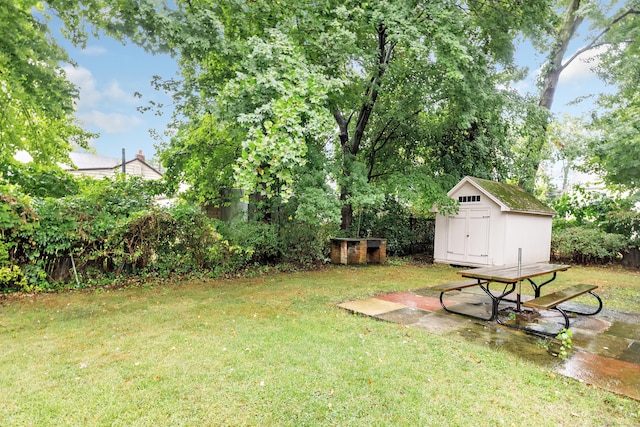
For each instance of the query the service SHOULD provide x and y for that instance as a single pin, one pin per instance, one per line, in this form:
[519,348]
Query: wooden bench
[553,300]
[447,287]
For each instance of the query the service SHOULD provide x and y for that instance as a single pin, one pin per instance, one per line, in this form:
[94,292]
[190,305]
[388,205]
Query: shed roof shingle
[512,197]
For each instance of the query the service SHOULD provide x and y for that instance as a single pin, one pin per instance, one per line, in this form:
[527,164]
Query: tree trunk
[555,66]
[351,146]
[550,80]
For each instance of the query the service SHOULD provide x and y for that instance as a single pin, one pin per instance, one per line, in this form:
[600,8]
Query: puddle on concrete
[527,346]
[404,316]
[624,330]
[632,353]
[600,343]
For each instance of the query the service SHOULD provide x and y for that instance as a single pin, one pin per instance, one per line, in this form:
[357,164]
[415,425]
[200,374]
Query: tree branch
[343,125]
[594,43]
[384,57]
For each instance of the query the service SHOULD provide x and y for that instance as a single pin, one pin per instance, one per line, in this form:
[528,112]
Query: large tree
[367,93]
[37,100]
[610,31]
[398,79]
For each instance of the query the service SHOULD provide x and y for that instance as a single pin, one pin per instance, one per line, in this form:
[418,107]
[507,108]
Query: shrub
[109,226]
[586,245]
[259,238]
[395,223]
[306,244]
[178,239]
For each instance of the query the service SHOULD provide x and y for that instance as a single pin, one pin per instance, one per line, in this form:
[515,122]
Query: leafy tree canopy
[367,93]
[610,34]
[616,152]
[36,99]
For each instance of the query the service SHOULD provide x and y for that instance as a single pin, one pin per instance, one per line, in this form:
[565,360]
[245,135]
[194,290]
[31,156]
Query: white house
[88,164]
[493,222]
[99,166]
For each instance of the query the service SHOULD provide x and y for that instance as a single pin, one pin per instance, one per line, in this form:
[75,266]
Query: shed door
[456,236]
[478,236]
[468,236]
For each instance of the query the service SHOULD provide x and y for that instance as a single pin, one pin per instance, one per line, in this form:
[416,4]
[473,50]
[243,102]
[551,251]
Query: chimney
[140,156]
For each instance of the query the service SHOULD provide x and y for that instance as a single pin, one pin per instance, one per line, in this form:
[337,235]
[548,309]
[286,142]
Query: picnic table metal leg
[536,331]
[495,301]
[536,288]
[597,297]
[462,313]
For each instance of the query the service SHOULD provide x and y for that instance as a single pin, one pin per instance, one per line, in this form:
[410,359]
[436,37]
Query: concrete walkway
[606,350]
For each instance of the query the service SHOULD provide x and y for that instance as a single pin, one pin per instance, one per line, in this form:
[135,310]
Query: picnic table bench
[553,300]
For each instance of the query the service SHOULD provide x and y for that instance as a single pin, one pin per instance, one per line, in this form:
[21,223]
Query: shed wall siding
[532,233]
[497,237]
[440,239]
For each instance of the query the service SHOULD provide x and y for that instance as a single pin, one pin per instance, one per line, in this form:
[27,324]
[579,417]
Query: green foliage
[279,102]
[566,343]
[259,239]
[12,277]
[112,228]
[306,244]
[39,180]
[395,222]
[612,214]
[288,240]
[615,150]
[109,227]
[37,99]
[412,88]
[593,227]
[586,245]
[175,240]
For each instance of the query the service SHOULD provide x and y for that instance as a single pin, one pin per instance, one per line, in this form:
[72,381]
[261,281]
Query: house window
[467,199]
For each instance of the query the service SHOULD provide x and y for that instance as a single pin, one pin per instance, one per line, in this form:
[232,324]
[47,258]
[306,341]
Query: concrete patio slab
[411,299]
[371,306]
[610,374]
[405,316]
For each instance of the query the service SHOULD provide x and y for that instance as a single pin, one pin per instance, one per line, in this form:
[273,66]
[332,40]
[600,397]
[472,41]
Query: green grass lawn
[275,350]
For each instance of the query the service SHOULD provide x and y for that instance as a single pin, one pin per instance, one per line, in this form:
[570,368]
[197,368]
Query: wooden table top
[511,273]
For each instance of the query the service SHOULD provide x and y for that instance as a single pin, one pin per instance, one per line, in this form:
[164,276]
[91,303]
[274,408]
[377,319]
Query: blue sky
[108,74]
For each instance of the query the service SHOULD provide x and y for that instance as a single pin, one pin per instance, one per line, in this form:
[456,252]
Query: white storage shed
[494,220]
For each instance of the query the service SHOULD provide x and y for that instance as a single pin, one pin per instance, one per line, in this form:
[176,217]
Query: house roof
[84,161]
[509,197]
[88,161]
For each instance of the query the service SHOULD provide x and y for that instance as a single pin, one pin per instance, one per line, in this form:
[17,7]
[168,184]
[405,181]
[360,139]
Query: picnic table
[510,278]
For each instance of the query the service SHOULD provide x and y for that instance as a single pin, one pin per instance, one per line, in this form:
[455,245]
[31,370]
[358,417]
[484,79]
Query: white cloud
[91,92]
[114,92]
[84,80]
[581,68]
[94,50]
[110,122]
